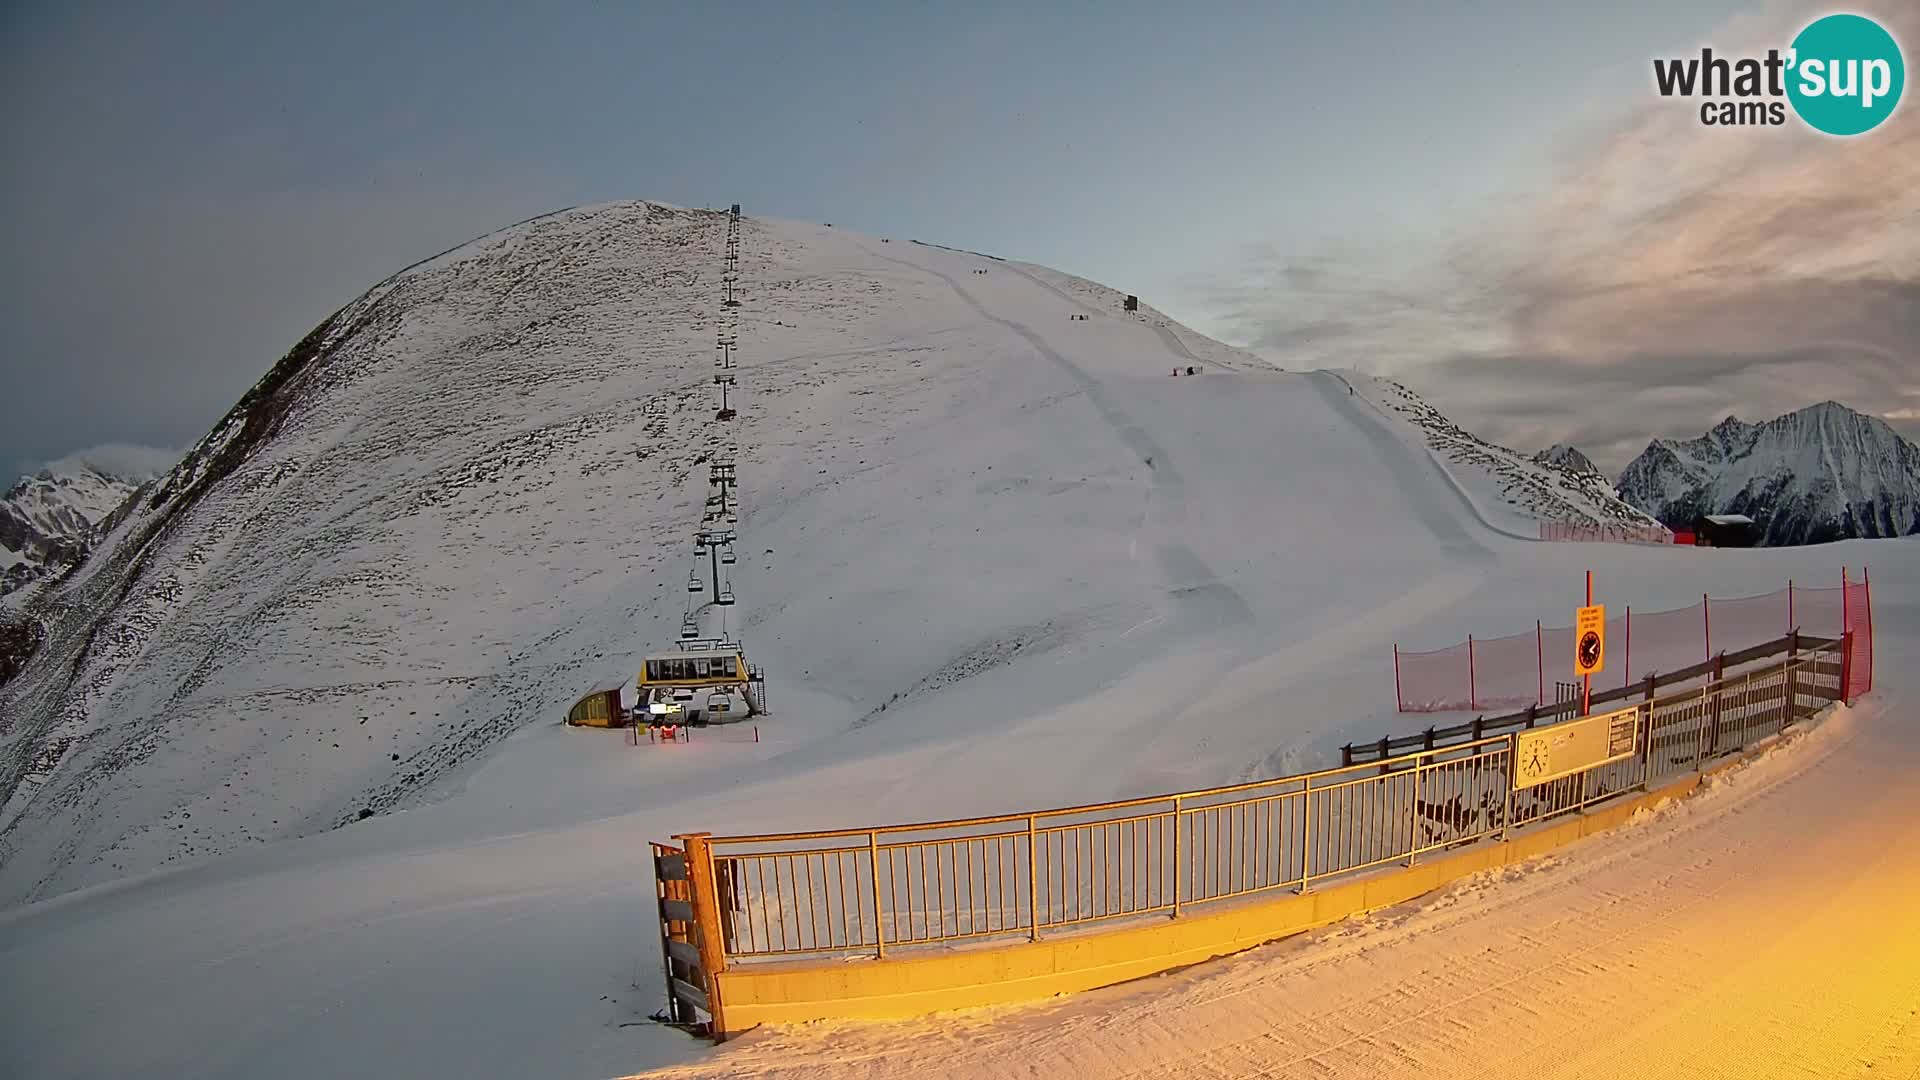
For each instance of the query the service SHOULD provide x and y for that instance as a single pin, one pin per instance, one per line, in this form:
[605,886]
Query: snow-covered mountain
[969,492]
[48,520]
[1819,474]
[1562,456]
[466,498]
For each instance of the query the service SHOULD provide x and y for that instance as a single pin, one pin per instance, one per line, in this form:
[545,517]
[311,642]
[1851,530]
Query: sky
[1485,202]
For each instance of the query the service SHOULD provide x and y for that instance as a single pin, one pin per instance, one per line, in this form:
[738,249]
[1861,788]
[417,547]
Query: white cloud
[1670,276]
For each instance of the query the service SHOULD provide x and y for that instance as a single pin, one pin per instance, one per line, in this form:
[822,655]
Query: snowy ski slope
[993,558]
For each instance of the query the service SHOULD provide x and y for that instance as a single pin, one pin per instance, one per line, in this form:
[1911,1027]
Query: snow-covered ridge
[49,520]
[1566,457]
[1514,491]
[1818,474]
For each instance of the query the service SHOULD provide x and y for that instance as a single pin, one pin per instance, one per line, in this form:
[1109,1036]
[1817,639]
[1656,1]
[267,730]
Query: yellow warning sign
[1550,753]
[1590,640]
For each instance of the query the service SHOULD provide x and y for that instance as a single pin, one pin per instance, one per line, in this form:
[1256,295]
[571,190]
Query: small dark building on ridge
[1725,530]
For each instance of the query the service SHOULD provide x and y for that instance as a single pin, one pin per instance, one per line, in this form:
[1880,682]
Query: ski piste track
[504,929]
[1182,566]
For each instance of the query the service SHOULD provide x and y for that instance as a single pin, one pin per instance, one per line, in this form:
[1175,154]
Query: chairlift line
[707,671]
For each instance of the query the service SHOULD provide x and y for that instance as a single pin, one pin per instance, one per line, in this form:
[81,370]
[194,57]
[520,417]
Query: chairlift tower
[711,541]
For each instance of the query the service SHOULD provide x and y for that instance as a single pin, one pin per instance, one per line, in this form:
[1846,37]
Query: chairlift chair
[727,556]
[694,584]
[725,599]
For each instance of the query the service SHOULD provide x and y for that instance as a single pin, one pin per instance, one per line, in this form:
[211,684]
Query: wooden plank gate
[689,934]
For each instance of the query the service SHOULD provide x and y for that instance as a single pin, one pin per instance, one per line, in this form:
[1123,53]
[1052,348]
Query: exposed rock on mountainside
[1819,474]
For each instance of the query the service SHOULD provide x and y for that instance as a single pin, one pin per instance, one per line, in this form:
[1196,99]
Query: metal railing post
[1413,806]
[1506,798]
[1306,833]
[1177,875]
[1646,747]
[873,865]
[1033,879]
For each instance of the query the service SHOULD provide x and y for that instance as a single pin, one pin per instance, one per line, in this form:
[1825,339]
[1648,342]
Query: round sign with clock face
[1589,651]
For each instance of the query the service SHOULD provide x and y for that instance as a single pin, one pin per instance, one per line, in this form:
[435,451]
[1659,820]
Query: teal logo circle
[1846,74]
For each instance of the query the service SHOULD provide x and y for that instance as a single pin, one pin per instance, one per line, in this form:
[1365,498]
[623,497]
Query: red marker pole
[1586,681]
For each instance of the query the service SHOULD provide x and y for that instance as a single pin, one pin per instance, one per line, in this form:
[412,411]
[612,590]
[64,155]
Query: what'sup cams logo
[1842,75]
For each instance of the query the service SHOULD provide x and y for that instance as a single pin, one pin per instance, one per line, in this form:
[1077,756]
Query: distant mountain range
[49,520]
[1822,473]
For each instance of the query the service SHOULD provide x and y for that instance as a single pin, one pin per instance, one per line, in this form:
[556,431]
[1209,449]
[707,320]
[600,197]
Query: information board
[1549,753]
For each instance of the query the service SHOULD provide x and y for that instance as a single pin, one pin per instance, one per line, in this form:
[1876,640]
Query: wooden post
[1706,621]
[1846,666]
[1626,676]
[1540,661]
[1713,724]
[1866,587]
[1473,678]
[1346,755]
[1653,682]
[1793,678]
[1399,699]
[1846,637]
[706,925]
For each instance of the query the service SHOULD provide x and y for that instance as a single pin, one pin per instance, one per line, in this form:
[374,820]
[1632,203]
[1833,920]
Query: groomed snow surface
[1068,577]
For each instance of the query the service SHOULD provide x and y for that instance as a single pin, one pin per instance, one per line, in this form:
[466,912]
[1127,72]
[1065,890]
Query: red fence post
[1473,678]
[1540,662]
[1399,699]
[1706,620]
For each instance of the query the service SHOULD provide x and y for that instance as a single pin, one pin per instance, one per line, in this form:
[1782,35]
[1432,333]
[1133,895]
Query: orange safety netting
[1522,669]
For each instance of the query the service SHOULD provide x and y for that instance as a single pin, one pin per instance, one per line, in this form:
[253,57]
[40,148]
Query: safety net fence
[1523,669]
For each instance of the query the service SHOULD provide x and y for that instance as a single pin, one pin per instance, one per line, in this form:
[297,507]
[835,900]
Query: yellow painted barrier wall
[922,982]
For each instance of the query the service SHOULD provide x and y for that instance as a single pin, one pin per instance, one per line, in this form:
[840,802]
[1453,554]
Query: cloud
[1669,276]
[118,459]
